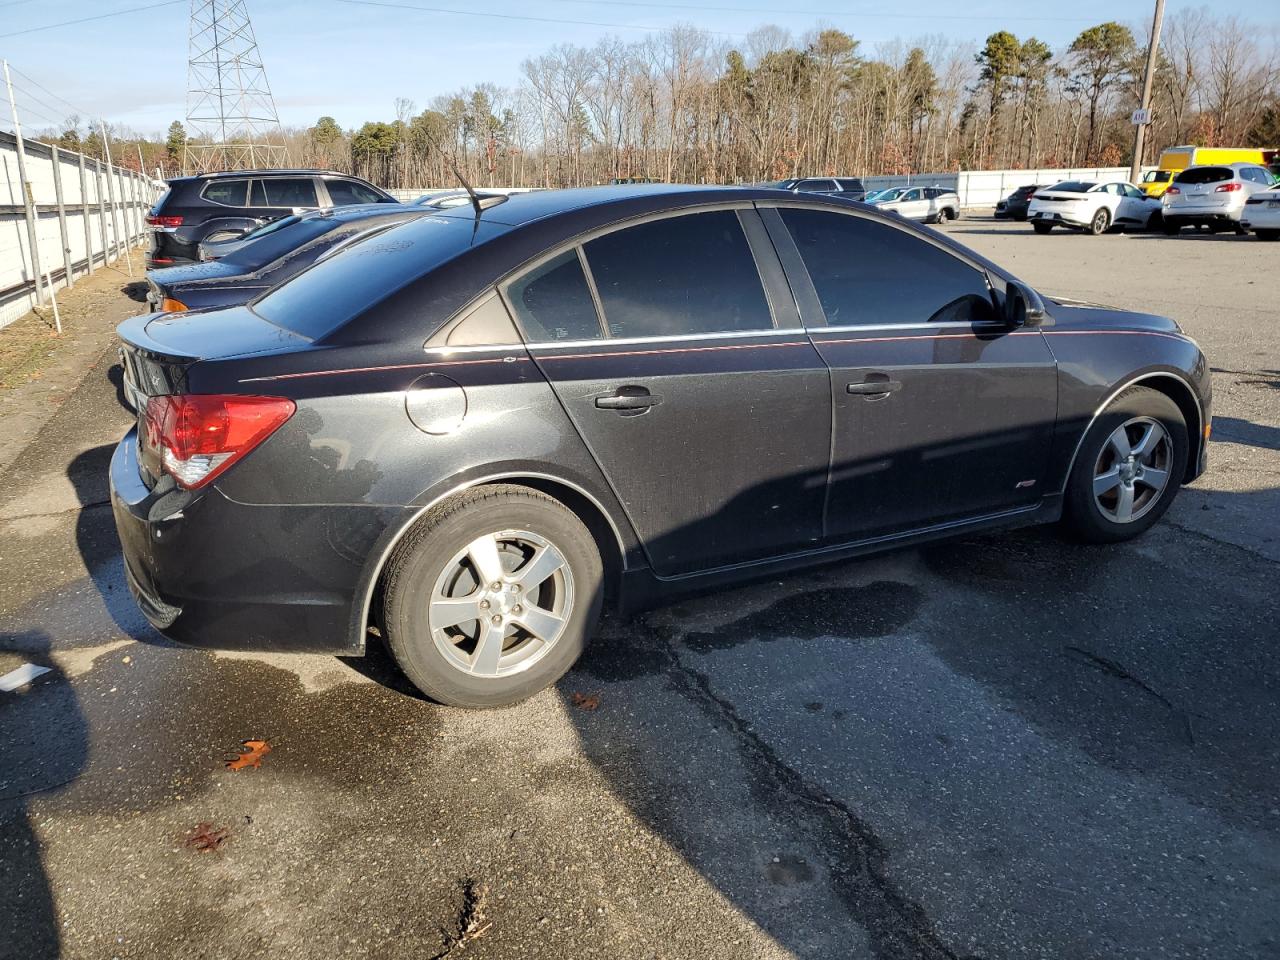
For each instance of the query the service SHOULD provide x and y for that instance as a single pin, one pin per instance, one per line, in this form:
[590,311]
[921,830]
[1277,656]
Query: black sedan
[279,250]
[470,431]
[1014,206]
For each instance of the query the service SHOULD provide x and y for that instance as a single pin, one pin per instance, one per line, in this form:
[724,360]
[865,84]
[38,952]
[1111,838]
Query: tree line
[682,105]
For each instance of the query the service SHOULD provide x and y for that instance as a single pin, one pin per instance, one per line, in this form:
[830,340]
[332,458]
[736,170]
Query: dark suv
[850,188]
[216,206]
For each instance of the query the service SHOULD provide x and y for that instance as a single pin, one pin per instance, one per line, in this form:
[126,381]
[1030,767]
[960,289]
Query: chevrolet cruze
[469,432]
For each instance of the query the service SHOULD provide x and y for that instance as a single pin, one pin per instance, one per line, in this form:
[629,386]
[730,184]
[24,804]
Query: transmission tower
[231,115]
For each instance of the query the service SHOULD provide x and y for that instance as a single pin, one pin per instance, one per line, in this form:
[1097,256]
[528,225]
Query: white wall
[983,188]
[109,228]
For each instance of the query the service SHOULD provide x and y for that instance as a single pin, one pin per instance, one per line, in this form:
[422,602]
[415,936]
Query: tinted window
[155,210]
[284,192]
[815,185]
[553,302]
[871,273]
[682,275]
[1256,174]
[343,192]
[849,184]
[333,291]
[277,243]
[229,192]
[1073,186]
[1204,175]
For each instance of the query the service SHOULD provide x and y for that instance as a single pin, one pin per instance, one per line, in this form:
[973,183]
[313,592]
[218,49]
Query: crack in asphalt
[897,926]
[92,505]
[1113,669]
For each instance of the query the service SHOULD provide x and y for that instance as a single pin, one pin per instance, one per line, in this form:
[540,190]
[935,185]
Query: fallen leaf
[251,756]
[206,838]
[586,701]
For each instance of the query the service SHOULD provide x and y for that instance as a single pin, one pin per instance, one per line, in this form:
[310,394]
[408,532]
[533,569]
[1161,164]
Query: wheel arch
[1176,388]
[604,529]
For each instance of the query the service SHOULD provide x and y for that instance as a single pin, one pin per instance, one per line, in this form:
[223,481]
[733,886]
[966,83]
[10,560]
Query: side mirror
[1023,306]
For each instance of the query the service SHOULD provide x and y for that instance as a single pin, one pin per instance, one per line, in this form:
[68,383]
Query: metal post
[84,213]
[118,246]
[1140,129]
[102,210]
[28,198]
[62,213]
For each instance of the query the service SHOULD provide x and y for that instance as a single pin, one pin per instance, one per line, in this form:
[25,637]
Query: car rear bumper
[167,250]
[211,572]
[1261,217]
[1064,218]
[1202,213]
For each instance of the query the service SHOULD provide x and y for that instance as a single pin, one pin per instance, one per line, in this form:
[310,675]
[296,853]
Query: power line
[512,16]
[100,16]
[55,96]
[846,14]
[44,103]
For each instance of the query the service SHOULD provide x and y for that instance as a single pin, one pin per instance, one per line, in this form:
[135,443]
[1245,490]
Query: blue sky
[351,62]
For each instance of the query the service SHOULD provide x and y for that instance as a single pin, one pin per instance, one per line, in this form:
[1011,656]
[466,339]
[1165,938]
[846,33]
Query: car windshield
[781,184]
[892,193]
[1074,186]
[338,288]
[1204,175]
[1157,176]
[262,250]
[271,227]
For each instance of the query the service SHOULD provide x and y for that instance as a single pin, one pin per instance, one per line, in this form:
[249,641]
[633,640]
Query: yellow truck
[1176,159]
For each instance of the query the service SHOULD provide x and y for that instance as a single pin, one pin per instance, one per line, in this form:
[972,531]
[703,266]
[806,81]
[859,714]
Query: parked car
[217,249]
[1262,214]
[1213,197]
[1093,207]
[1176,159]
[272,258]
[850,188]
[471,430]
[1015,205]
[223,206]
[922,204]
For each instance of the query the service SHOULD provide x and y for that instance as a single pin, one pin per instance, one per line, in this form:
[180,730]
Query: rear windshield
[1073,186]
[1204,175]
[273,244]
[155,211]
[338,288]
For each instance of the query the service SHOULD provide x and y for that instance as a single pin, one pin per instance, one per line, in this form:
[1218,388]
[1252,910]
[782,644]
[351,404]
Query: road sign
[1141,117]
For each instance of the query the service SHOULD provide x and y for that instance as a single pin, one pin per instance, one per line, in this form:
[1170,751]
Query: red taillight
[1172,190]
[1229,187]
[198,436]
[155,221]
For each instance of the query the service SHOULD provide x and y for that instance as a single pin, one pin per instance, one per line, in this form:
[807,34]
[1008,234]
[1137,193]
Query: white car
[1213,196]
[1093,207]
[925,204]
[1262,214]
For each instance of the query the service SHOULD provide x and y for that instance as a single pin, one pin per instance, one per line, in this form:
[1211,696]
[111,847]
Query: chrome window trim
[674,338]
[381,560]
[990,325]
[1199,440]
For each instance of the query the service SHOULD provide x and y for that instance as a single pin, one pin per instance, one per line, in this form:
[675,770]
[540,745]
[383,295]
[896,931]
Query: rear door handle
[875,388]
[629,398]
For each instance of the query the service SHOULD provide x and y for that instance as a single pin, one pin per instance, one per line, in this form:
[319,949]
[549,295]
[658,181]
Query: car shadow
[1237,430]
[136,291]
[46,708]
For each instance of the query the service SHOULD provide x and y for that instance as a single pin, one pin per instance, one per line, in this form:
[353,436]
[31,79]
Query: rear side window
[337,289]
[553,301]
[816,185]
[1204,175]
[869,273]
[1255,174]
[230,193]
[847,184]
[691,274]
[344,192]
[284,192]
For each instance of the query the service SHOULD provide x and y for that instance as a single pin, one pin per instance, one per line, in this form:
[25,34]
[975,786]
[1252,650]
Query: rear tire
[464,625]
[1111,497]
[1170,229]
[1100,223]
[1042,228]
[1155,221]
[1268,234]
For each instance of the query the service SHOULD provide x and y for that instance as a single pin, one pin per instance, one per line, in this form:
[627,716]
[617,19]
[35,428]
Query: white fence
[983,188]
[86,214]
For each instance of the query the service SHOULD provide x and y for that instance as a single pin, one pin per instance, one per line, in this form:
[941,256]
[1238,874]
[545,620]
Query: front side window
[680,276]
[229,193]
[344,192]
[553,301]
[283,192]
[869,273]
[911,195]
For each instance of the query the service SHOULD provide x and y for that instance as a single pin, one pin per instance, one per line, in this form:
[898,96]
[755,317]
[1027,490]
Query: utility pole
[1140,129]
[28,198]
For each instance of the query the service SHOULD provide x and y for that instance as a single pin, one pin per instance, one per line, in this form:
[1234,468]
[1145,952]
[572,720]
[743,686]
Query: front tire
[1100,223]
[492,596]
[1128,469]
[1042,228]
[1171,229]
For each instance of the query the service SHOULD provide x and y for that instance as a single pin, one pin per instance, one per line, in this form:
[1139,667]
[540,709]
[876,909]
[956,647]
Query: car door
[941,412]
[913,204]
[690,380]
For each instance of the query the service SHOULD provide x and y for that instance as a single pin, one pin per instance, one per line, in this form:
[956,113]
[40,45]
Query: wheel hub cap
[1132,470]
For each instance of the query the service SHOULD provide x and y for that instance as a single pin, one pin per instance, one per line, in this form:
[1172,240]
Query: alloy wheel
[1132,470]
[501,603]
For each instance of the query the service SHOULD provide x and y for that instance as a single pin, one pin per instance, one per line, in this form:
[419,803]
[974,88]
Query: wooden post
[28,199]
[62,213]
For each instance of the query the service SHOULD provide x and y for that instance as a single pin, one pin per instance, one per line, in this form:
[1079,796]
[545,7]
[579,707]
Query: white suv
[1213,196]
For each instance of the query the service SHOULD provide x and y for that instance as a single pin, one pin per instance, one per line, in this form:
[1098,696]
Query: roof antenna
[448,158]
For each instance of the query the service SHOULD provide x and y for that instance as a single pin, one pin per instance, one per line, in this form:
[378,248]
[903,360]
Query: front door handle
[633,399]
[875,388]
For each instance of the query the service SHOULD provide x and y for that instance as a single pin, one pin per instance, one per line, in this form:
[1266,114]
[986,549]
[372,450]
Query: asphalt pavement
[1002,747]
